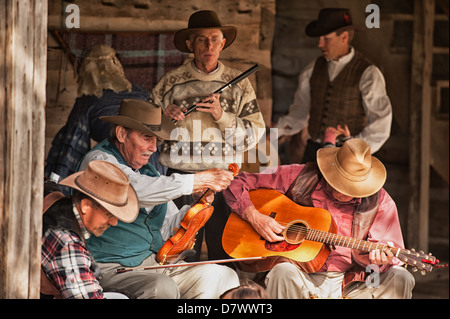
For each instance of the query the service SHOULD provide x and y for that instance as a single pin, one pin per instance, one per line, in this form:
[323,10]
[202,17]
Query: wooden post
[23,65]
[420,116]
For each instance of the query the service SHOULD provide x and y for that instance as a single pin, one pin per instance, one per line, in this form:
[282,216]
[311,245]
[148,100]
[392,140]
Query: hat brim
[166,125]
[127,213]
[229,33]
[368,187]
[313,30]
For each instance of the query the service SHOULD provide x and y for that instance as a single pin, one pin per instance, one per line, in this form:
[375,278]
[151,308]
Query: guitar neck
[344,241]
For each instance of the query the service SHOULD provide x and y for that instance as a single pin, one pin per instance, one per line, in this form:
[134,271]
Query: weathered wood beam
[23,51]
[420,119]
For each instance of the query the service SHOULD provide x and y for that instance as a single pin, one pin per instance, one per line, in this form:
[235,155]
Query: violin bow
[196,263]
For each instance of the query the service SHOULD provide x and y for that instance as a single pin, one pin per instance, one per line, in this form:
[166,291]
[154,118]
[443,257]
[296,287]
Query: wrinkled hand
[175,112]
[215,179]
[209,198]
[211,104]
[332,133]
[378,257]
[343,130]
[264,225]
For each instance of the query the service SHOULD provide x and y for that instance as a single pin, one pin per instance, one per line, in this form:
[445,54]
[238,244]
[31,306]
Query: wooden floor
[433,285]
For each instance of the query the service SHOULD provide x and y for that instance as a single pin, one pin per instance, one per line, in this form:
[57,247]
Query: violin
[195,218]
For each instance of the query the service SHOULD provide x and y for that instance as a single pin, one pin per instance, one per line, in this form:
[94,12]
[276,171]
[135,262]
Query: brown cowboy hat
[205,19]
[142,116]
[331,20]
[351,169]
[109,186]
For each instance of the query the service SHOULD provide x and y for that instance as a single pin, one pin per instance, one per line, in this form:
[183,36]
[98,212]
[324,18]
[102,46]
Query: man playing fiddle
[137,129]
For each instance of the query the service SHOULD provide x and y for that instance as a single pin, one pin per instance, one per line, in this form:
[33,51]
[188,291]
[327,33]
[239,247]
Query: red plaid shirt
[66,262]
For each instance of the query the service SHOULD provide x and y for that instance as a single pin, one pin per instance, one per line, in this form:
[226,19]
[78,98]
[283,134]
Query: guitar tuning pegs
[423,272]
[421,252]
[414,269]
[412,249]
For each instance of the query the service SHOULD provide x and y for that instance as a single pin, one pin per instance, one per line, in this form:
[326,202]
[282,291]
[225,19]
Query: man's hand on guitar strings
[378,257]
[264,225]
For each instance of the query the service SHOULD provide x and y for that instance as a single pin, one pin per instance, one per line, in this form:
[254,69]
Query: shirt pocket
[344,224]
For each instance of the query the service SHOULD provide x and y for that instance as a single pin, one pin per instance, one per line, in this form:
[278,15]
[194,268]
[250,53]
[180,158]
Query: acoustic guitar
[308,233]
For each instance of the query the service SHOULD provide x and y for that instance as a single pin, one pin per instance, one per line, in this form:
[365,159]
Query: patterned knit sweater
[200,142]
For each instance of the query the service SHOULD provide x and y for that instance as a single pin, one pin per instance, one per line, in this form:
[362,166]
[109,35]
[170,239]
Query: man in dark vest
[102,195]
[346,181]
[339,88]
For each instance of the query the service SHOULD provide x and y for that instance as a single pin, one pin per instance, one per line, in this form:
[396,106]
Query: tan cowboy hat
[142,116]
[331,20]
[109,186]
[205,19]
[351,169]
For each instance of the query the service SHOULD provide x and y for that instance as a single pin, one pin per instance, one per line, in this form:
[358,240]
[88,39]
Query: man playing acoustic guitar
[347,182]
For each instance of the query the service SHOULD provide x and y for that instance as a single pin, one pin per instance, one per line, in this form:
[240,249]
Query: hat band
[98,196]
[346,175]
[155,128]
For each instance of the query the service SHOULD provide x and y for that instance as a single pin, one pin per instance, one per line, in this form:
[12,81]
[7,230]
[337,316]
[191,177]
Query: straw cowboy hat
[142,116]
[351,169]
[204,19]
[109,186]
[331,20]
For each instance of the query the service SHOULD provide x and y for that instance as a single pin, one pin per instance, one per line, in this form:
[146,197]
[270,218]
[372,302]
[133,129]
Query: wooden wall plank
[420,113]
[23,94]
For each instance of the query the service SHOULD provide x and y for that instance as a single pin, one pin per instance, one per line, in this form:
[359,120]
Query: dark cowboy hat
[205,19]
[331,20]
[142,116]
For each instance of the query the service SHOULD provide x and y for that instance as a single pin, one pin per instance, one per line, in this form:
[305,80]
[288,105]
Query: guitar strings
[301,229]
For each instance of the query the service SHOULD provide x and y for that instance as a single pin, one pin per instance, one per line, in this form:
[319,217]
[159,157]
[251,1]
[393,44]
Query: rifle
[229,84]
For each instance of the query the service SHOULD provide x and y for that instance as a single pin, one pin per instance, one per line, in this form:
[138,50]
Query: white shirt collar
[199,71]
[84,231]
[336,66]
[344,59]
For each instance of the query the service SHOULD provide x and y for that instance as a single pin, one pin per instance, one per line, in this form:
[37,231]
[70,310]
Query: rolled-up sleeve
[278,178]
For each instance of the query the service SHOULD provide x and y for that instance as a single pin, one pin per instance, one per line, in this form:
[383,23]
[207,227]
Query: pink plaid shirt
[385,228]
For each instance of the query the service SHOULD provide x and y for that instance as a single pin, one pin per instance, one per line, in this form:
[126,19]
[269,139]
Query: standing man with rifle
[222,127]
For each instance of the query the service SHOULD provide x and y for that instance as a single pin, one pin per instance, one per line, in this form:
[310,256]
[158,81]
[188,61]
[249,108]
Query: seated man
[134,138]
[102,196]
[347,181]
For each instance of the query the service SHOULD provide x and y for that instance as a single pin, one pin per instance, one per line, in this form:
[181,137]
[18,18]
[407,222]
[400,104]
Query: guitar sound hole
[295,232]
